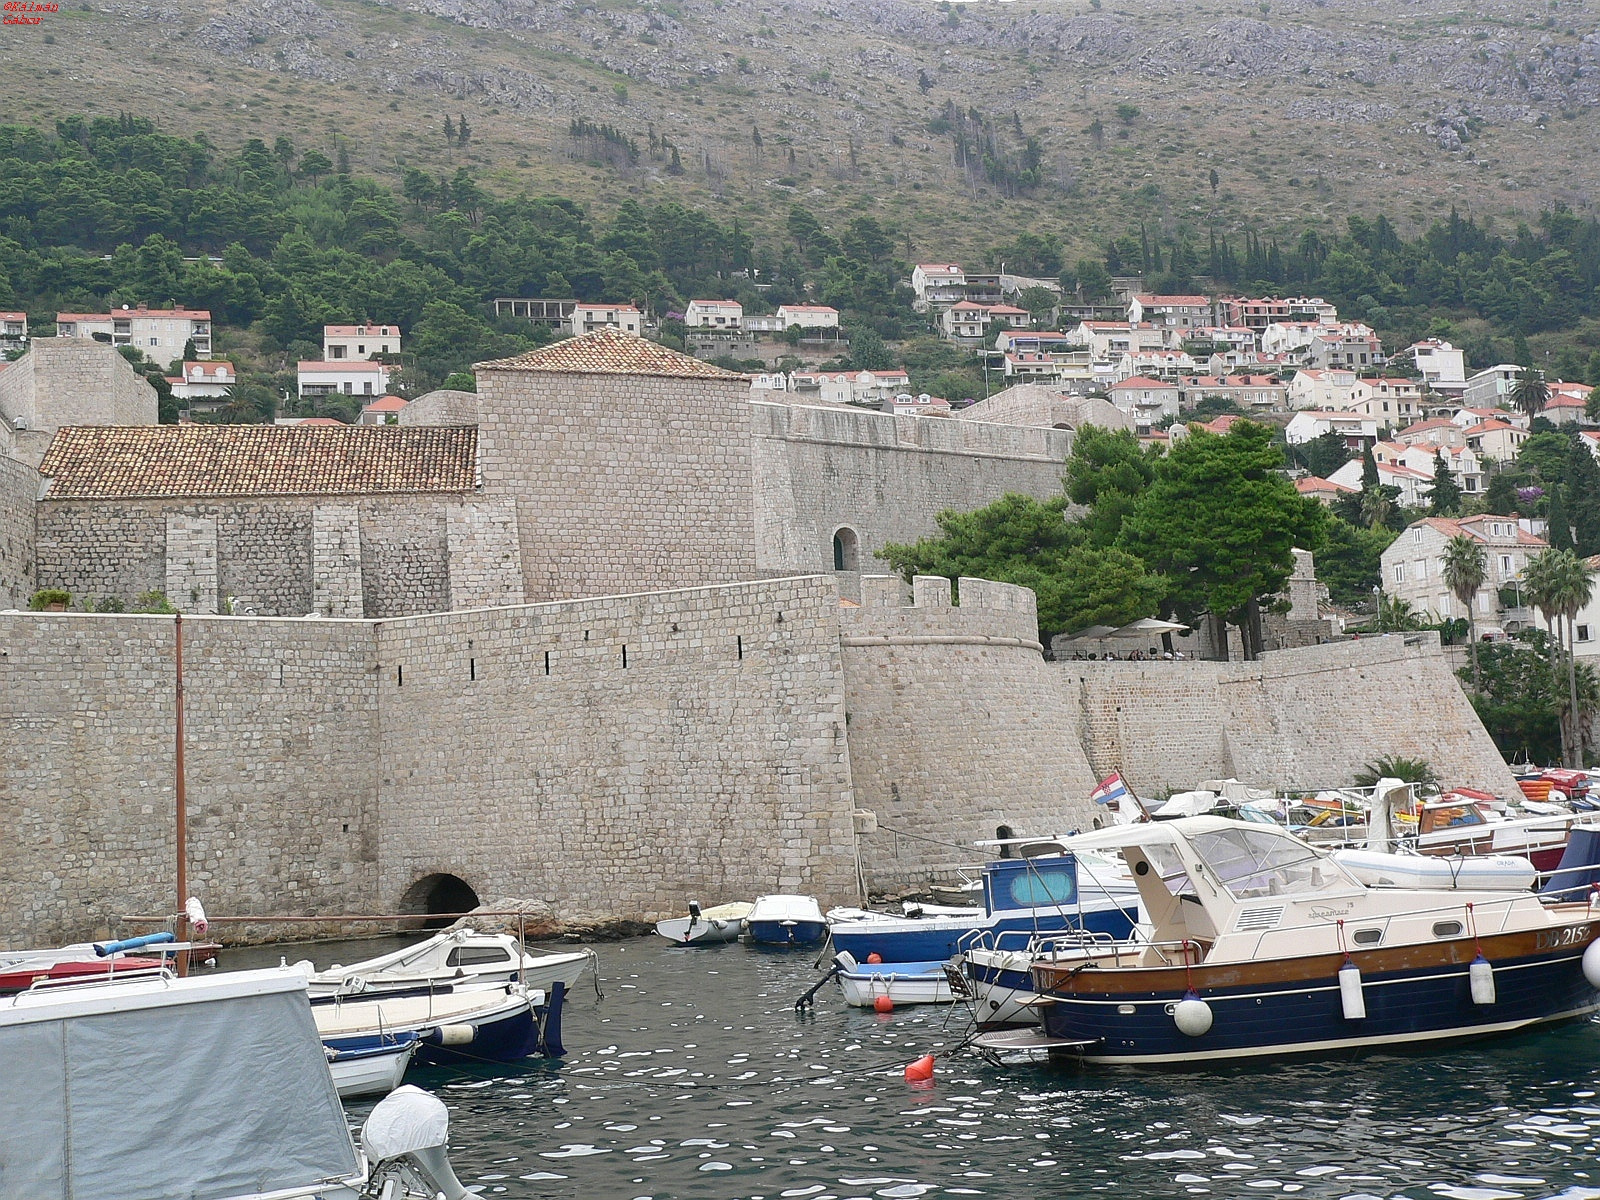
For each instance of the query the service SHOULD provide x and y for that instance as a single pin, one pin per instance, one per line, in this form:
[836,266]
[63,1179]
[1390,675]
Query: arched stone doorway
[846,550]
[436,894]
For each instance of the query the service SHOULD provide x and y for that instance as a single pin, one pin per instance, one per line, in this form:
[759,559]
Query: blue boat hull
[779,933]
[941,940]
[521,1034]
[1432,1003]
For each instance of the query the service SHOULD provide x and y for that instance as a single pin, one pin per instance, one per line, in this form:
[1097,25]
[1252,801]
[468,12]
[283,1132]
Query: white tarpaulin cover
[201,1089]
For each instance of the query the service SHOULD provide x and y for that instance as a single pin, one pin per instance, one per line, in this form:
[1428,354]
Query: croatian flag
[1109,789]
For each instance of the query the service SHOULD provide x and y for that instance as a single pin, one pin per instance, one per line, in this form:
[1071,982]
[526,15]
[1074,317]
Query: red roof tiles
[609,352]
[129,462]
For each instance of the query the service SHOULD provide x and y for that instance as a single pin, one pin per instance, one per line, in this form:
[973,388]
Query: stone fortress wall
[19,485]
[70,381]
[1296,719]
[881,478]
[615,756]
[343,556]
[955,727]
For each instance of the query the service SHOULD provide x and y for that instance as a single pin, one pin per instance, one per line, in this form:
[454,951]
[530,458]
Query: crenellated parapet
[928,611]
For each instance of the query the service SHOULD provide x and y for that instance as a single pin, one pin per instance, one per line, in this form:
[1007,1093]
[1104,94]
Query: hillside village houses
[586,318]
[347,378]
[342,343]
[13,331]
[160,334]
[1413,569]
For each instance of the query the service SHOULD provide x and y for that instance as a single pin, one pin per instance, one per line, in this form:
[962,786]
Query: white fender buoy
[452,1035]
[1480,976]
[1192,1015]
[1591,964]
[1350,996]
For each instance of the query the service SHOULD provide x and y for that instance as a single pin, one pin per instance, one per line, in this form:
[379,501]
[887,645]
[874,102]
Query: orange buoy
[882,1004]
[874,958]
[920,1071]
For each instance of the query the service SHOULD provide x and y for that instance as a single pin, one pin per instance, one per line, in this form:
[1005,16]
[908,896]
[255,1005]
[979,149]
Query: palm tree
[1559,584]
[1466,564]
[1530,393]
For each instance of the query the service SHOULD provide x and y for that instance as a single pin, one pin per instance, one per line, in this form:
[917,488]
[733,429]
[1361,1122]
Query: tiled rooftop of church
[133,462]
[609,352]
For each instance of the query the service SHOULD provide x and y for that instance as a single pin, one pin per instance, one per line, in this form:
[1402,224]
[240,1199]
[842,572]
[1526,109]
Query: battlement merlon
[925,612]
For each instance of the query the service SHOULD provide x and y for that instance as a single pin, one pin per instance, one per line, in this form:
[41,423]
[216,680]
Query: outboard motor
[405,1135]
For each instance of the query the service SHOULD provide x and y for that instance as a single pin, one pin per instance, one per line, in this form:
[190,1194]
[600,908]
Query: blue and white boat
[901,982]
[1039,894]
[370,1064]
[1259,944]
[478,1024]
[786,921]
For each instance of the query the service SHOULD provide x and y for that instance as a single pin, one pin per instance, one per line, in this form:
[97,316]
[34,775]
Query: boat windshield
[1451,816]
[1254,862]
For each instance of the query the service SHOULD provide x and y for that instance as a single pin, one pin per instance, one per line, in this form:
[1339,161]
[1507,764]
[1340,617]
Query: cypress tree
[1500,497]
[1444,498]
[1583,498]
[1559,533]
[1369,468]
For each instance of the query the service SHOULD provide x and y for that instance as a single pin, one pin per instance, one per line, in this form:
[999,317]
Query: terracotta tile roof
[609,352]
[119,462]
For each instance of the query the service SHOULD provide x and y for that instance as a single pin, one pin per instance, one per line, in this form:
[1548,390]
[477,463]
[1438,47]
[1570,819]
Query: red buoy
[920,1071]
[882,1004]
[874,958]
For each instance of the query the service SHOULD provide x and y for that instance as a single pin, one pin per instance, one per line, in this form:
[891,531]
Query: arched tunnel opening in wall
[435,896]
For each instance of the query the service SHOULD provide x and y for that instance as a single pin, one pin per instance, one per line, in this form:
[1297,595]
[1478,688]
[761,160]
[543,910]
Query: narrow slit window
[399,676]
[472,670]
[739,642]
[547,662]
[624,658]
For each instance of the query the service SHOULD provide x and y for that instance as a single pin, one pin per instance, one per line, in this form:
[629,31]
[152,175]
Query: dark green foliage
[1444,497]
[1394,766]
[1583,498]
[1349,560]
[1559,534]
[1522,701]
[1322,455]
[1500,497]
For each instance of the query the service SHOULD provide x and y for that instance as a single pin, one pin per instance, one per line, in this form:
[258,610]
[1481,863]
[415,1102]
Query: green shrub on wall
[46,599]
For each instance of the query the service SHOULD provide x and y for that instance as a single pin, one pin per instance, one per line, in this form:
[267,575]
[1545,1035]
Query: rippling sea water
[695,1078]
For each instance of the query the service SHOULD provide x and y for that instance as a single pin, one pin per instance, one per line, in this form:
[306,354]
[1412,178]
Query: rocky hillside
[959,126]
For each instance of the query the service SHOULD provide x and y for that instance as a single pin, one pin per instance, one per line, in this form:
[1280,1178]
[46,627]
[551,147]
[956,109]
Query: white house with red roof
[587,318]
[808,316]
[1257,314]
[1322,490]
[161,334]
[904,404]
[967,322]
[1311,388]
[1442,365]
[1491,387]
[349,343]
[1389,401]
[1414,484]
[1178,315]
[1158,364]
[201,382]
[1568,403]
[1146,400]
[385,410]
[1468,417]
[1496,439]
[937,285]
[1108,341]
[1261,393]
[1348,344]
[1234,337]
[1356,430]
[713,314]
[13,331]
[847,387]
[1435,431]
[1413,567]
[344,378]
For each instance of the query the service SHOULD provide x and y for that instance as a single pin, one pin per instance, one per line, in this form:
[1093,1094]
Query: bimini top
[211,1089]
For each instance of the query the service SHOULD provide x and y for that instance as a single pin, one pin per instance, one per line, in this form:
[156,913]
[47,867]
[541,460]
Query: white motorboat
[457,958]
[706,927]
[901,983]
[375,1069]
[117,1073]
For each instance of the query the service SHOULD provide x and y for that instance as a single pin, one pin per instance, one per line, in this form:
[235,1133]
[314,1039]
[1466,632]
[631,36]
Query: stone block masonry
[19,486]
[614,756]
[1296,719]
[955,729]
[883,478]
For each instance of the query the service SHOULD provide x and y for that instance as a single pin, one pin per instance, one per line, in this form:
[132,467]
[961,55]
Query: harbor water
[696,1078]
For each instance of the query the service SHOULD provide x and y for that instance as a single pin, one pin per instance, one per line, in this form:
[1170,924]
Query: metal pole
[182,806]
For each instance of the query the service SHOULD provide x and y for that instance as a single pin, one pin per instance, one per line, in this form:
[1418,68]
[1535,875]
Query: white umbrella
[1145,626]
[1093,632]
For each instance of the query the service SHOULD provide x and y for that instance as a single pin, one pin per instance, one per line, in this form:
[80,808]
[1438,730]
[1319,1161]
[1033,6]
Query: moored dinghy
[501,1024]
[864,984]
[706,927]
[1263,945]
[786,921]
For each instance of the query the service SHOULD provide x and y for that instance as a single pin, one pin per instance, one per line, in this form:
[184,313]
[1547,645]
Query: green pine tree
[1369,468]
[1583,497]
[1559,534]
[1444,498]
[1500,497]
